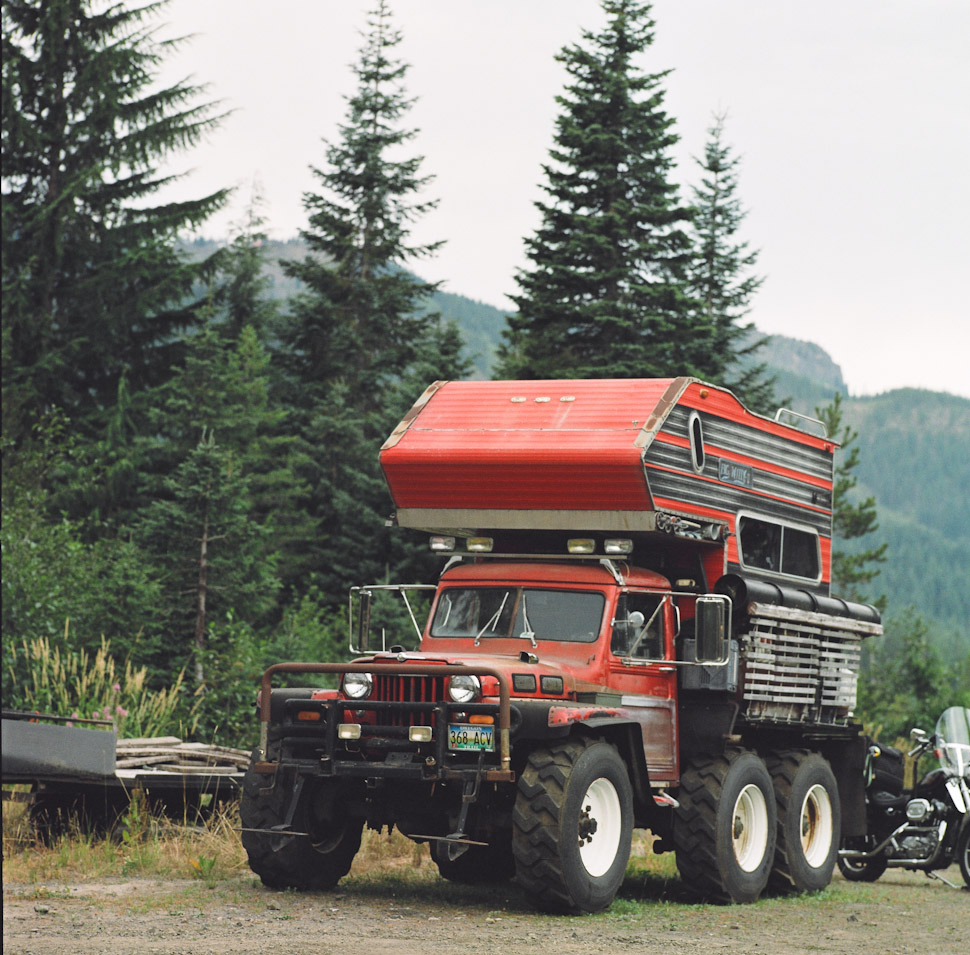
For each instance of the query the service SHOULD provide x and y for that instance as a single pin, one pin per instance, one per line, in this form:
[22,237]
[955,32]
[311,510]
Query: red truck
[633,629]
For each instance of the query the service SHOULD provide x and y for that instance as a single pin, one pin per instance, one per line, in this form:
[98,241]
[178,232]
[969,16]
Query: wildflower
[120,710]
[117,688]
[95,715]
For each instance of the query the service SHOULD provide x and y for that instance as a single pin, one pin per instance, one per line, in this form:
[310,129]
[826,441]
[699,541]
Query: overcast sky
[852,118]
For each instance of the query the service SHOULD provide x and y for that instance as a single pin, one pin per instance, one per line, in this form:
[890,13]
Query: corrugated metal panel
[554,445]
[771,449]
[790,481]
[678,486]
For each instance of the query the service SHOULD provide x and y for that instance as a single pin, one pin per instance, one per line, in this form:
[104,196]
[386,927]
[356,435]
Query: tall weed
[81,686]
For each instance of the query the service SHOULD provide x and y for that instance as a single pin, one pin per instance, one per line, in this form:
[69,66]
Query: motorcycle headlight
[464,689]
[918,809]
[358,686]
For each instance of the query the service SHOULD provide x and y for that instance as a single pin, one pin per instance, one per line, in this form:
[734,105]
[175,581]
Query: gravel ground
[903,913]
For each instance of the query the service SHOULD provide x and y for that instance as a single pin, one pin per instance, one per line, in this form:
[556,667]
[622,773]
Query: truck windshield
[532,614]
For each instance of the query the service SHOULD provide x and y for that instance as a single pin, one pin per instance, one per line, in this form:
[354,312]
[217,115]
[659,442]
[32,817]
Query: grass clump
[79,686]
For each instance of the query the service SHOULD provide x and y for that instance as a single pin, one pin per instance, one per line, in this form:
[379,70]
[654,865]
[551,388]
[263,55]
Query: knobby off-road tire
[809,821]
[725,827]
[317,861]
[572,825]
[862,870]
[478,865]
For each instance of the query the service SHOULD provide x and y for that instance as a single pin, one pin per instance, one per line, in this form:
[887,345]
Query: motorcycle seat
[886,800]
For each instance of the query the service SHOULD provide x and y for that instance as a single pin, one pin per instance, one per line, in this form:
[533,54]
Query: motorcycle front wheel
[861,870]
[963,853]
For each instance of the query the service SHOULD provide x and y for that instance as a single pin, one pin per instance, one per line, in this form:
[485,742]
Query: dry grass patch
[141,846]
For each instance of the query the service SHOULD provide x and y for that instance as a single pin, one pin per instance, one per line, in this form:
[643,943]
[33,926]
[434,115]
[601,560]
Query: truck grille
[408,689]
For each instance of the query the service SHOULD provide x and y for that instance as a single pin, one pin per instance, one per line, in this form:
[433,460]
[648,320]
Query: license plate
[468,736]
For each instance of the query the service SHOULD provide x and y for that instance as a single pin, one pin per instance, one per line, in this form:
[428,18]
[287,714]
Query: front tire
[725,827]
[317,860]
[809,820]
[963,853]
[572,826]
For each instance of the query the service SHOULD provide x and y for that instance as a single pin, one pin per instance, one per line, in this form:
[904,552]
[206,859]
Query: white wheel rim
[815,826]
[749,828]
[600,825]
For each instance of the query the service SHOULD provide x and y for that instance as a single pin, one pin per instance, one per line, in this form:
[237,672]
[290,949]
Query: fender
[626,735]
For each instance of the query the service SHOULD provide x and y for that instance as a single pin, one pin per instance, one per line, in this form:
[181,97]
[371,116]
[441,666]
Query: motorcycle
[926,828]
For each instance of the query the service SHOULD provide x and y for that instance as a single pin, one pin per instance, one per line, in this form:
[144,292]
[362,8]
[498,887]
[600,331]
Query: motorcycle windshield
[953,736]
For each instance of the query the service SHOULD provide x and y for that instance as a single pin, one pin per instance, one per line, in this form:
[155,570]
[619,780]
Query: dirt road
[902,913]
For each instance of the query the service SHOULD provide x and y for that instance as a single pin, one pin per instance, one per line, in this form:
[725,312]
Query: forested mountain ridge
[914,450]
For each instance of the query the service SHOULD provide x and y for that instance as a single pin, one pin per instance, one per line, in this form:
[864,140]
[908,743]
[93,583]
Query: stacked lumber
[169,754]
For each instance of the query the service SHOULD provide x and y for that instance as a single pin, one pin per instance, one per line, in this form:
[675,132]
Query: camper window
[778,548]
[695,427]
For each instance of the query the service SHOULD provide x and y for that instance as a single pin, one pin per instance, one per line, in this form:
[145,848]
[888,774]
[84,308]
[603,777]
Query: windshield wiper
[528,632]
[493,620]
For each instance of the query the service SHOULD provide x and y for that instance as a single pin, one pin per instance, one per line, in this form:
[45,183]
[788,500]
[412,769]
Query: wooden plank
[148,741]
[133,761]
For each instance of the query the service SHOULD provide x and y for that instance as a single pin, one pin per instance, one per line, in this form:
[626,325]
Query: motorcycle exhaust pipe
[858,854]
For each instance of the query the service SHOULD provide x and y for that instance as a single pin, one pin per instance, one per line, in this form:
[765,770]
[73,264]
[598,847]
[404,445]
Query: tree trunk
[200,602]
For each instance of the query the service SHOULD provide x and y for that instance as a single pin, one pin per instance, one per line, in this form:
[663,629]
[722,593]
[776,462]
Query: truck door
[641,648]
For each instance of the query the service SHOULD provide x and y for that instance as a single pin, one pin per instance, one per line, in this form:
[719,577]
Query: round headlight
[358,686]
[464,689]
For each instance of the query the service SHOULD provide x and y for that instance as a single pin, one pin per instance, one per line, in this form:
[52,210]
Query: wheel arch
[627,737]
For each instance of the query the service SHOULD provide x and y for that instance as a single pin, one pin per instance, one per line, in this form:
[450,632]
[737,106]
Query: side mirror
[364,599]
[917,734]
[711,629]
[636,620]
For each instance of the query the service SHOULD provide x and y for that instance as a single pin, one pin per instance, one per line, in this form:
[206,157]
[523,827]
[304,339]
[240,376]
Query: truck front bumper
[387,747]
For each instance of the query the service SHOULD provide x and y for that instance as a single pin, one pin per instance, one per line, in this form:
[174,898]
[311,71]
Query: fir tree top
[605,295]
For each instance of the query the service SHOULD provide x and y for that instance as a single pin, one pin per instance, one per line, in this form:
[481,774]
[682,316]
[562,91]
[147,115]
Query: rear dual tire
[725,828]
[809,821]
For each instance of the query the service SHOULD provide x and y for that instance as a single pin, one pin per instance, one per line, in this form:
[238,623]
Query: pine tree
[606,293]
[906,682]
[93,287]
[721,279]
[241,292]
[359,321]
[853,568]
[207,548]
[359,334]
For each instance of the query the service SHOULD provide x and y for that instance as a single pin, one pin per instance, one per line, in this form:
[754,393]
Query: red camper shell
[622,457]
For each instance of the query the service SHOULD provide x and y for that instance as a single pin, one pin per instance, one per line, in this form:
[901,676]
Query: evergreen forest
[191,427]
